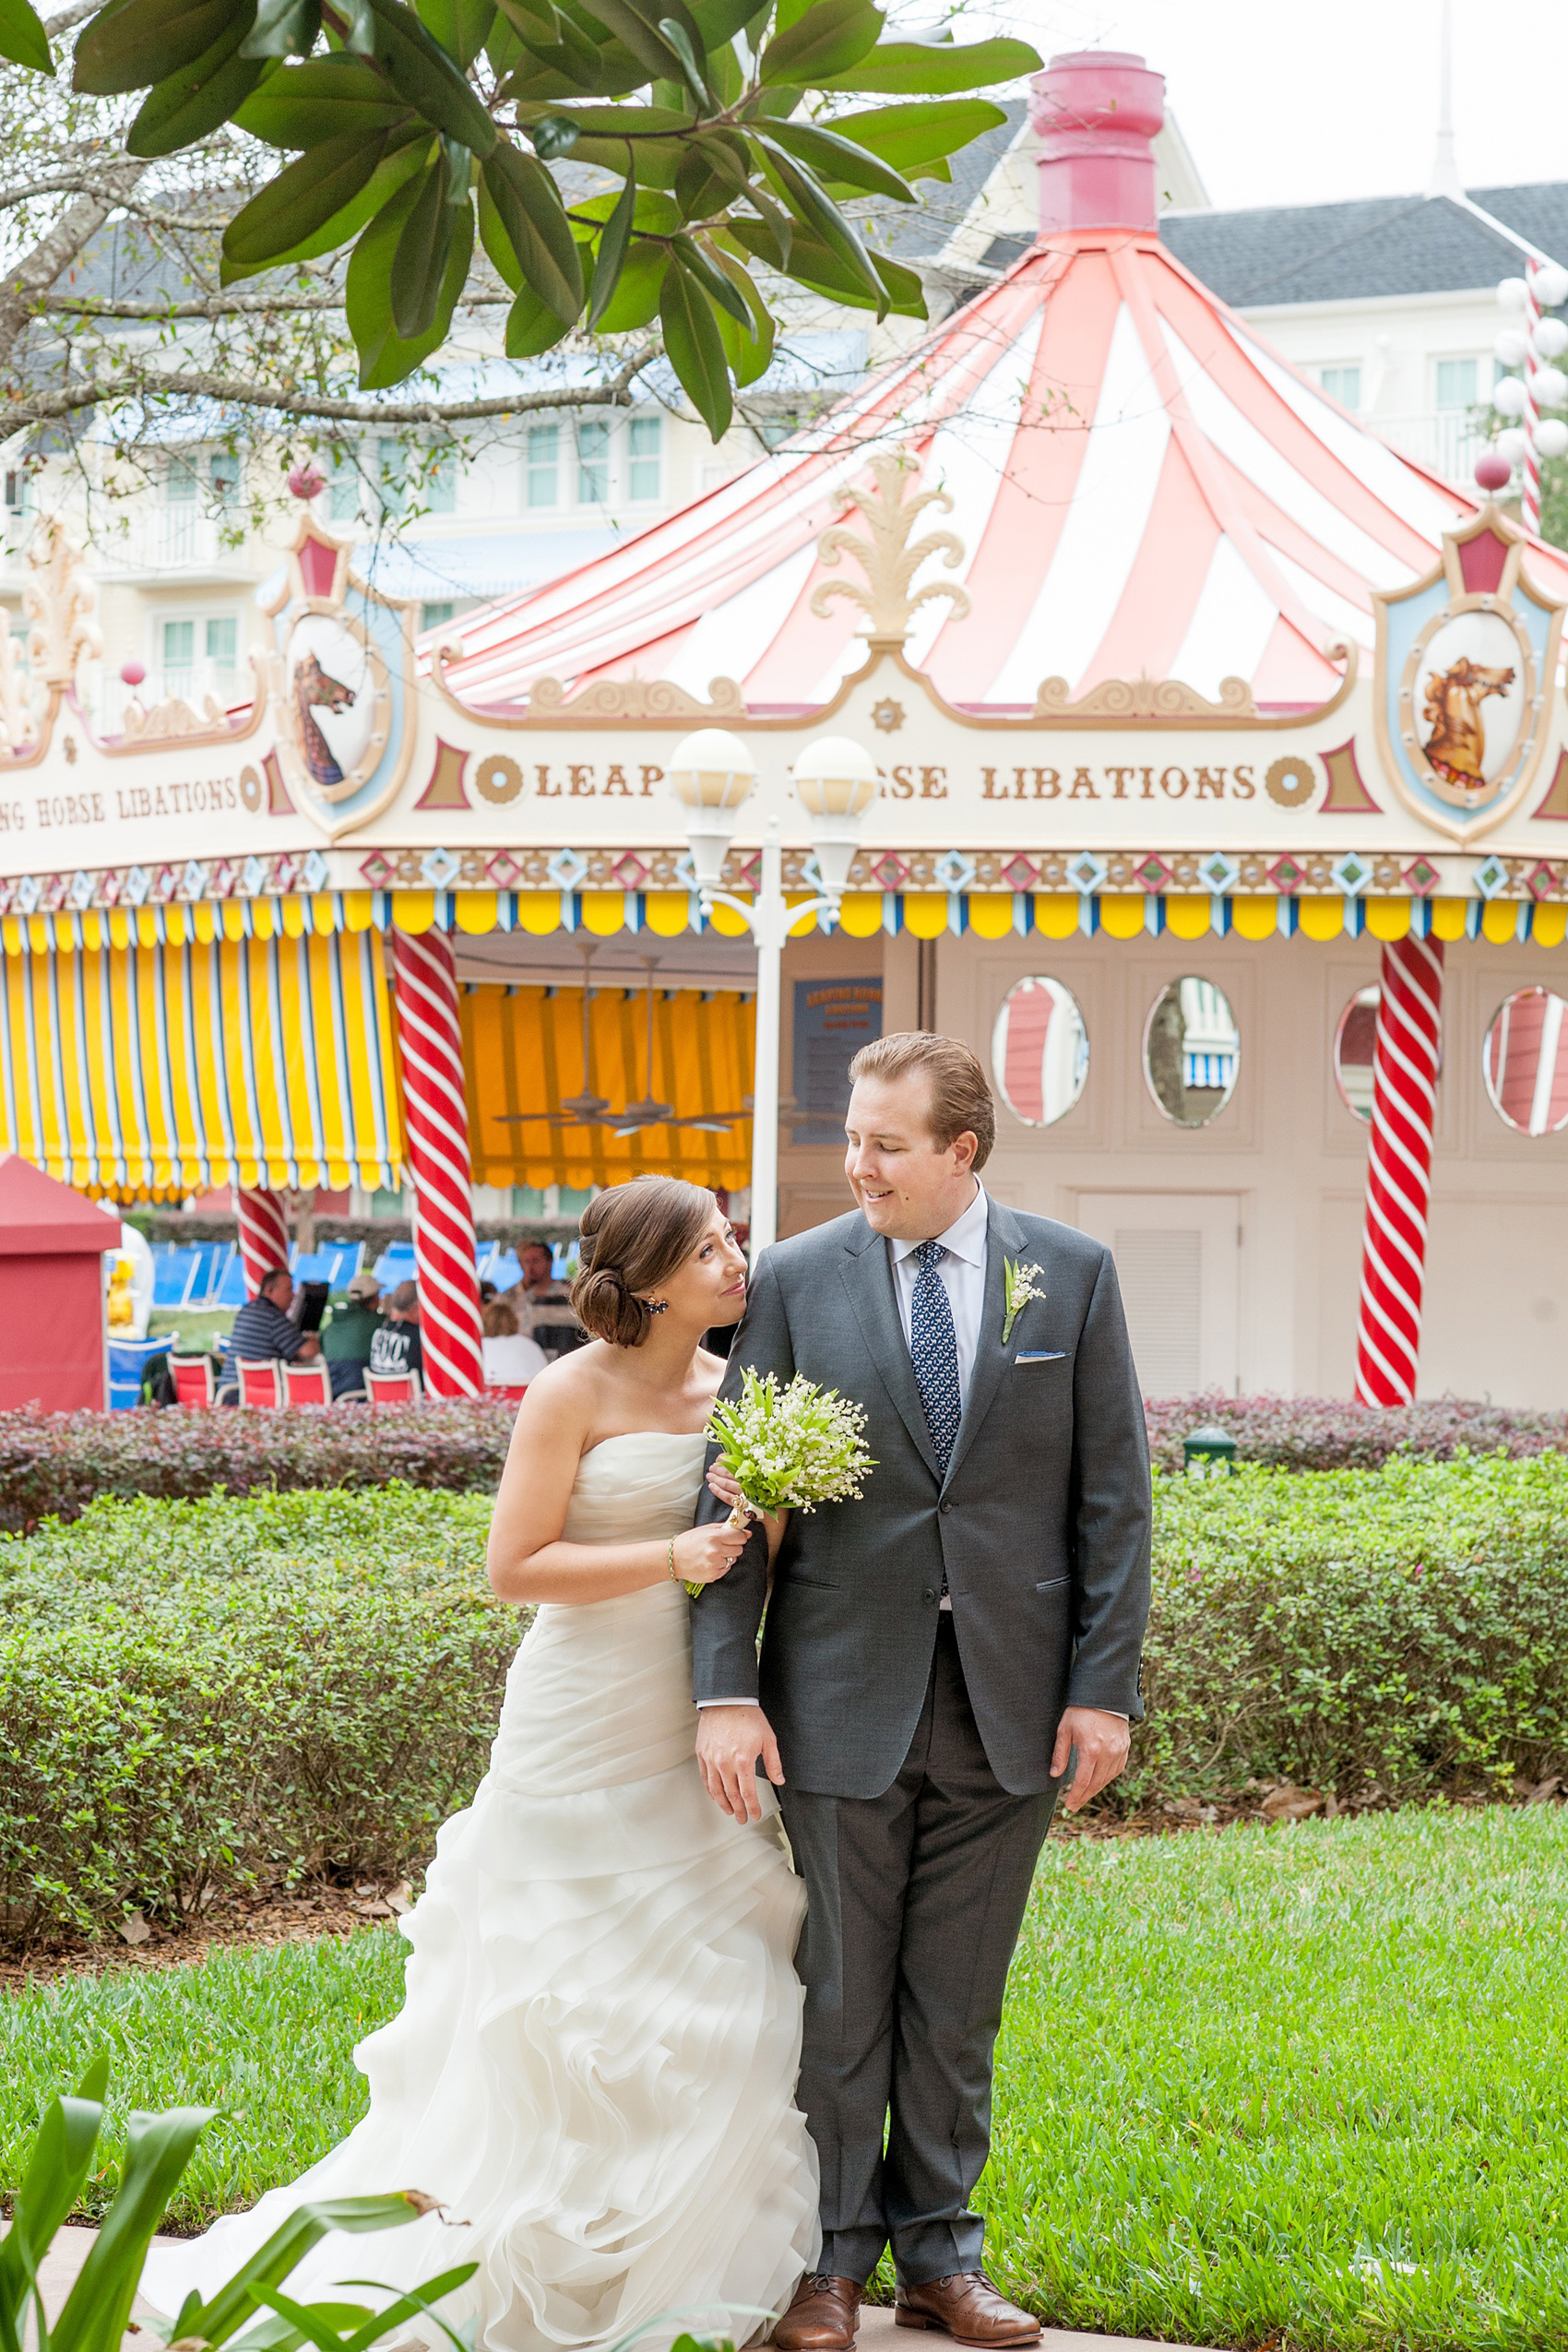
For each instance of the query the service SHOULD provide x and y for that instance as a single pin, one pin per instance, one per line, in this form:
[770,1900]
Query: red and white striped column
[436,1115]
[264,1234]
[1529,502]
[1394,1246]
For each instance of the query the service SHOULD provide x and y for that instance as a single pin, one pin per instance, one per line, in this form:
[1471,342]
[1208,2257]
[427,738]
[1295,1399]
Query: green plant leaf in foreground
[614,239]
[306,194]
[694,347]
[22,37]
[910,68]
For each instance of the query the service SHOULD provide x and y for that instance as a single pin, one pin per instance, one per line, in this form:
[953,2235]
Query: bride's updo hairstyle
[633,1237]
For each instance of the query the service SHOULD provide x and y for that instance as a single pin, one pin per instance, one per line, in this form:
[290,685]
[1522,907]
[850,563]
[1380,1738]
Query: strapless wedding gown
[595,2061]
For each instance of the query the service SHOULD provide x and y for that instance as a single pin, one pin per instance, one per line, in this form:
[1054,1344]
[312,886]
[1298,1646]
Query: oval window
[1354,1041]
[1040,1052]
[1192,1052]
[1525,1062]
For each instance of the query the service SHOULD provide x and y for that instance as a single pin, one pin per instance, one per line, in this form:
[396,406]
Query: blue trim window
[643,468]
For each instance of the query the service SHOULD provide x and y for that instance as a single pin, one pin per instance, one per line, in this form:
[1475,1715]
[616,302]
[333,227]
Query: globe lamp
[837,780]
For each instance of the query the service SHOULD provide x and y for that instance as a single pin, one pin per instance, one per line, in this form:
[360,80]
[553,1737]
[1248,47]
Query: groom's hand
[1102,1741]
[732,1740]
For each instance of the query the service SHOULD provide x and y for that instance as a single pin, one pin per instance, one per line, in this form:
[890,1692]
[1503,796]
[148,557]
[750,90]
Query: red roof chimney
[1096,111]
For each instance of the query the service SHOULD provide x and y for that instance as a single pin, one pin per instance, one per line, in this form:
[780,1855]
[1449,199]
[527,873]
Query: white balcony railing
[191,683]
[1447,440]
[169,539]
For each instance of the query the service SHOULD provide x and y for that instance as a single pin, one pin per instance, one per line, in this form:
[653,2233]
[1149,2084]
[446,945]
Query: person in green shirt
[346,1333]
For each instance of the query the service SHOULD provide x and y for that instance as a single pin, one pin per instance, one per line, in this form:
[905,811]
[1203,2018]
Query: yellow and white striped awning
[523,1055]
[146,1072]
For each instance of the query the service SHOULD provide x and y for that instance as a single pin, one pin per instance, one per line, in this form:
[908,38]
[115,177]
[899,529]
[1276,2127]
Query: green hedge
[1403,1630]
[202,1695]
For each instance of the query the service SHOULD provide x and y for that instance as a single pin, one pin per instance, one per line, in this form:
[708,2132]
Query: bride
[594,2066]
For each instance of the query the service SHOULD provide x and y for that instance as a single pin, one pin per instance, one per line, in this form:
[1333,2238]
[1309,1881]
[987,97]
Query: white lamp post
[712,772]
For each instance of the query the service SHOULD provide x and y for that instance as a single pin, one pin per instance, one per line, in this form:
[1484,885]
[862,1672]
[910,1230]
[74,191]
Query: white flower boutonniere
[1020,1282]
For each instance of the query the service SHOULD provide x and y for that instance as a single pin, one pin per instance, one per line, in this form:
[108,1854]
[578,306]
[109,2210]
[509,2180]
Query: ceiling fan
[592,1109]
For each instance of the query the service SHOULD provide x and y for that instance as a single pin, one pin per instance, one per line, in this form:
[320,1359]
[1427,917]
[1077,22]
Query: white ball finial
[1512,294]
[1551,285]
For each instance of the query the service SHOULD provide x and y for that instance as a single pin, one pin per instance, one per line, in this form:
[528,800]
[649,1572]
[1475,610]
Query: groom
[938,1659]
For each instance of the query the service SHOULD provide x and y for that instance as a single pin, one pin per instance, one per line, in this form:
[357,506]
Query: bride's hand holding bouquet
[785,1449]
[704,1554]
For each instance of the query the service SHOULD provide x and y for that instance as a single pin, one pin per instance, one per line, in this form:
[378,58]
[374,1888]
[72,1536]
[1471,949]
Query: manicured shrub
[208,1693]
[52,1465]
[1403,1631]
[1328,1434]
[204,1694]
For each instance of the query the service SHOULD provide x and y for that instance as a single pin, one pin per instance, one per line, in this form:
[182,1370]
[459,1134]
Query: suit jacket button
[928,1595]
[946,1506]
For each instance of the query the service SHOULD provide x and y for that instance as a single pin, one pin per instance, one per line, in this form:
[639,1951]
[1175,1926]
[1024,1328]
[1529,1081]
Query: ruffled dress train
[595,2061]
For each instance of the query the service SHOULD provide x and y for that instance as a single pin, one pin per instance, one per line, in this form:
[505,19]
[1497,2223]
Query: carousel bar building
[1215,763]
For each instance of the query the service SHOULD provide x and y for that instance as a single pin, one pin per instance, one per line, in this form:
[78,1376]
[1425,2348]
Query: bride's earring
[656,1306]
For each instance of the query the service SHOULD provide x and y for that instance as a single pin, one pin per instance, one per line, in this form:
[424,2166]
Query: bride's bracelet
[673,1577]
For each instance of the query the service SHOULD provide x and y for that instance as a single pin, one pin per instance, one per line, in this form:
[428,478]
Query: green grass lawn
[199,1327]
[1303,2083]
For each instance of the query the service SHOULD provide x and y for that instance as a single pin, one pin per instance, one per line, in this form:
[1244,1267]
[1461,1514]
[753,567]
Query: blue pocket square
[1040,1355]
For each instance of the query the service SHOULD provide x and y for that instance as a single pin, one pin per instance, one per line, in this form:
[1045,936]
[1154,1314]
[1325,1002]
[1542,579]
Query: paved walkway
[878,2334]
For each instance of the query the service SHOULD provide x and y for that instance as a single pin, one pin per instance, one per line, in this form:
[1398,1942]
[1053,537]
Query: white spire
[1445,180]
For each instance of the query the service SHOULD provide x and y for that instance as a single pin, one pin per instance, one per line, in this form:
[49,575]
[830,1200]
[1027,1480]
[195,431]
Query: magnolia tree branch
[51,407]
[150,313]
[54,252]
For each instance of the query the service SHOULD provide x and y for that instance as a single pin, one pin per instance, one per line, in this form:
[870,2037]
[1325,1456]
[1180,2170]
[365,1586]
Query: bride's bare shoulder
[563,1399]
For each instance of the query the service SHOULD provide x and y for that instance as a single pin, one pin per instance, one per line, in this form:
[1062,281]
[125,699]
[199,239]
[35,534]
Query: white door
[1176,1259]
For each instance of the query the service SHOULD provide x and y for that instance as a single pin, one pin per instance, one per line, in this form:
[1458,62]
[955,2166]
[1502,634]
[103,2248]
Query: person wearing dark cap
[348,1332]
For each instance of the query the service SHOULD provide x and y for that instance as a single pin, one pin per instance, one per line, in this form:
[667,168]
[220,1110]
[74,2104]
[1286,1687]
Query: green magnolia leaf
[302,197]
[385,355]
[811,203]
[749,351]
[914,138]
[614,240]
[614,122]
[503,46]
[284,29]
[424,247]
[655,211]
[908,67]
[462,27]
[553,135]
[326,97]
[685,49]
[694,347]
[713,170]
[422,73]
[717,21]
[835,158]
[713,281]
[526,204]
[532,327]
[22,37]
[641,36]
[635,300]
[829,38]
[816,266]
[127,48]
[195,100]
[404,152]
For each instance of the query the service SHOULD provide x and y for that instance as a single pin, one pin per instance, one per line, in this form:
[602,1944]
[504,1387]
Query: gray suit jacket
[1042,1521]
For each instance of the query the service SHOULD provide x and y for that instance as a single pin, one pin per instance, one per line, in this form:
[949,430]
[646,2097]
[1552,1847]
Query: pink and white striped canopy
[1142,488]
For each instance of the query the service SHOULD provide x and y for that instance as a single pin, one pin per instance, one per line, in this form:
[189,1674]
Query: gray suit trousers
[915,1902]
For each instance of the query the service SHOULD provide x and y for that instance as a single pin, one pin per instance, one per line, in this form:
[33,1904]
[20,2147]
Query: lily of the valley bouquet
[790,1448]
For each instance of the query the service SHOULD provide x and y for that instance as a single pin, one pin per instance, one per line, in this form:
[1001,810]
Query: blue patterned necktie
[934,1347]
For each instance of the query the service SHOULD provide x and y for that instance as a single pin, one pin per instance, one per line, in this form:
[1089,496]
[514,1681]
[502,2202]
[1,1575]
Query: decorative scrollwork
[59,600]
[889,558]
[635,698]
[1145,698]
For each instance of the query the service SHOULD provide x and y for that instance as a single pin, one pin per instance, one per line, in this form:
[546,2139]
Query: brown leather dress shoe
[968,2307]
[823,2317]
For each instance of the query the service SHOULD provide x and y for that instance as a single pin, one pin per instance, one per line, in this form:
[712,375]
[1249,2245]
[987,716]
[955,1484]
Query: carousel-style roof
[1140,488]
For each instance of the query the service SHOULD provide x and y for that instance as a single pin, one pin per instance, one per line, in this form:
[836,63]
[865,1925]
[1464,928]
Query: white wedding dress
[595,2061]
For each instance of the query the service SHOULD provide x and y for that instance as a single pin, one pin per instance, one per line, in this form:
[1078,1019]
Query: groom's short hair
[960,1099]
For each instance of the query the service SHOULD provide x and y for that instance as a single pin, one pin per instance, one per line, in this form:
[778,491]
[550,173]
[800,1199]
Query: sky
[1286,103]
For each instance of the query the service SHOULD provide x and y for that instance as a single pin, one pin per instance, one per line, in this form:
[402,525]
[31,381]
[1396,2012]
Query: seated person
[397,1346]
[264,1333]
[542,1305]
[511,1357]
[347,1334]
